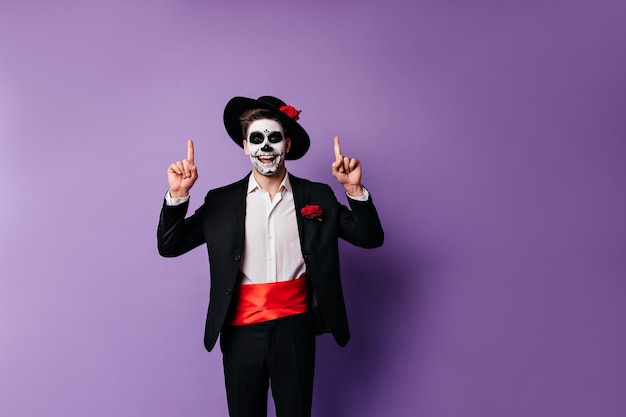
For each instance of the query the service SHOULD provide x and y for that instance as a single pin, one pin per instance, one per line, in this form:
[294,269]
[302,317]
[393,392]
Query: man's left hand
[347,171]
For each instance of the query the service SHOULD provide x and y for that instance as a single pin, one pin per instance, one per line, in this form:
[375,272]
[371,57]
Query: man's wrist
[354,190]
[179,194]
[174,201]
[364,197]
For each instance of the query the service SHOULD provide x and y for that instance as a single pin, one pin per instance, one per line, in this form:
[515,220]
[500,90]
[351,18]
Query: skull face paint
[266,145]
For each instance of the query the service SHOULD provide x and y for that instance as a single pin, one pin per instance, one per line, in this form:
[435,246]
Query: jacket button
[238,257]
[229,291]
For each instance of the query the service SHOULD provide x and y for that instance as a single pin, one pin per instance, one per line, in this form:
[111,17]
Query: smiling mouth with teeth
[266,159]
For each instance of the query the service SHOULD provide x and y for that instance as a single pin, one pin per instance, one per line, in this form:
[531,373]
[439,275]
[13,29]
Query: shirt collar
[253,185]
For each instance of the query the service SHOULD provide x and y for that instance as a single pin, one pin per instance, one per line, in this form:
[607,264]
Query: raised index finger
[190,150]
[337,148]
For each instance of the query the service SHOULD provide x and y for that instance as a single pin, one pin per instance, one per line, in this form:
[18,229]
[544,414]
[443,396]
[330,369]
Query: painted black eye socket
[275,137]
[256,138]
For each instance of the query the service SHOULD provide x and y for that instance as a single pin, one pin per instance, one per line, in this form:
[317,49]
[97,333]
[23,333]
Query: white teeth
[266,160]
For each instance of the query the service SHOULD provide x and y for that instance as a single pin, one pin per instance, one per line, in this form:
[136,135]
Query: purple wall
[492,136]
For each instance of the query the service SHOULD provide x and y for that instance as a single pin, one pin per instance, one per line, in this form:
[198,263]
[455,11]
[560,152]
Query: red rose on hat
[291,112]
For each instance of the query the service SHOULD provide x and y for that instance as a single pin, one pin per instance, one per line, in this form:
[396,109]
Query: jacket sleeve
[177,235]
[360,225]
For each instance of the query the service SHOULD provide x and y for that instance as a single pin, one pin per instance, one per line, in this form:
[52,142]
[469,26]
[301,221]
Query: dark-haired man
[272,240]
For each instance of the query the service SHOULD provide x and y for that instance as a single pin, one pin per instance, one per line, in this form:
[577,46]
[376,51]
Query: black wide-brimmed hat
[286,114]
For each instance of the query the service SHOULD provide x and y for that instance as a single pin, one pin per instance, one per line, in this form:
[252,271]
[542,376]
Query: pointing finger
[337,148]
[190,150]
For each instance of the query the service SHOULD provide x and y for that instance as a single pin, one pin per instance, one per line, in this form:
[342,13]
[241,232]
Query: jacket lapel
[298,199]
[239,202]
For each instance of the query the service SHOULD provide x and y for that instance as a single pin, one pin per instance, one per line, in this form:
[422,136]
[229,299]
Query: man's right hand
[182,174]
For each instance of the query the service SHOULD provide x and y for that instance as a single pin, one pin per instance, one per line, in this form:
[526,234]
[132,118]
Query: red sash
[255,303]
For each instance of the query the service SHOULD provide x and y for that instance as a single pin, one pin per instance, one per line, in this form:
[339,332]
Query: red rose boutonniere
[312,212]
[291,112]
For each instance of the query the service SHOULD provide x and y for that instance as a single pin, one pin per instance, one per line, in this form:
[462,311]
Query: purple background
[492,135]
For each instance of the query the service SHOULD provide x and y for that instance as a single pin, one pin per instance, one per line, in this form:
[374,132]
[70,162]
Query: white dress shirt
[272,250]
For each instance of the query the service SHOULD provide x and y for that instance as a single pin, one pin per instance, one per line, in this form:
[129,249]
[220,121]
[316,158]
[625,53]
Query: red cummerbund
[256,303]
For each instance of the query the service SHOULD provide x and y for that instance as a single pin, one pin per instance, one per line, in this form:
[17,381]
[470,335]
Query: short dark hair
[252,115]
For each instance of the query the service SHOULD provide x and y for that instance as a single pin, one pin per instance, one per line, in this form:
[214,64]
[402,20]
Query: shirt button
[238,257]
[229,291]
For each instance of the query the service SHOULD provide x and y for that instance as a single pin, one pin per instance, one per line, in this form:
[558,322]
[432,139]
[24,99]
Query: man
[272,240]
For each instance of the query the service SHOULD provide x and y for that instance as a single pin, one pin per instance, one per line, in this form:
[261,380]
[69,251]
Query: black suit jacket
[219,223]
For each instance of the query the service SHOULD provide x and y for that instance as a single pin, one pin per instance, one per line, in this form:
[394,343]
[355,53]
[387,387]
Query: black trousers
[279,352]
